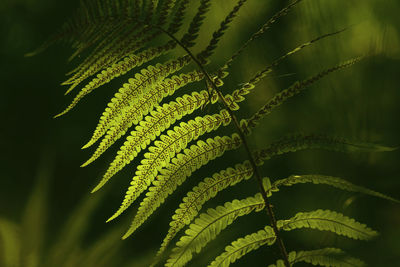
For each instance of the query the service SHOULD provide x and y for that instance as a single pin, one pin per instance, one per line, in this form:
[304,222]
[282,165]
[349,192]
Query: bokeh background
[44,196]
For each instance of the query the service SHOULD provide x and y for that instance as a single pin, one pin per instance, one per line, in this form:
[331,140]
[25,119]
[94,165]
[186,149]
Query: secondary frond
[296,142]
[327,180]
[237,95]
[208,225]
[163,150]
[176,172]
[330,257]
[260,32]
[216,37]
[326,220]
[244,245]
[293,90]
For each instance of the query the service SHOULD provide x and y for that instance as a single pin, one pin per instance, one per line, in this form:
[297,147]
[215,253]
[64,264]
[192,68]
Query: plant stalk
[257,174]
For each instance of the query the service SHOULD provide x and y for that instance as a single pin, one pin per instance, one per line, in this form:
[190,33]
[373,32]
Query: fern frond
[200,194]
[326,220]
[176,22]
[237,95]
[293,90]
[103,40]
[328,180]
[114,39]
[149,10]
[208,225]
[123,43]
[129,62]
[242,246]
[298,142]
[134,38]
[160,154]
[210,187]
[165,10]
[135,86]
[135,113]
[194,27]
[208,51]
[330,257]
[175,173]
[257,34]
[86,27]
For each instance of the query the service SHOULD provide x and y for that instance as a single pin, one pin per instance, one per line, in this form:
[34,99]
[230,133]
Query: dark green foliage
[125,35]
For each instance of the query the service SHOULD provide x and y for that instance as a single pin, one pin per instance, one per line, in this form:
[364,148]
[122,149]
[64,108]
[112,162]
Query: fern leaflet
[204,191]
[326,220]
[158,121]
[242,246]
[160,154]
[208,225]
[175,173]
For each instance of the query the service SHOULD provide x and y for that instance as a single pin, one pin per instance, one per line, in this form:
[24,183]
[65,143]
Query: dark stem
[268,206]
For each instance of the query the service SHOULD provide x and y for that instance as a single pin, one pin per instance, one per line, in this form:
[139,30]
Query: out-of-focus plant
[26,243]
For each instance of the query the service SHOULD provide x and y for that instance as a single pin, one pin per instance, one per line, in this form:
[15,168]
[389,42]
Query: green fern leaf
[237,95]
[196,198]
[132,93]
[206,53]
[204,191]
[160,154]
[328,180]
[175,173]
[86,27]
[129,62]
[257,34]
[326,220]
[330,257]
[176,22]
[111,53]
[194,27]
[115,40]
[242,246]
[165,10]
[108,34]
[135,113]
[292,143]
[122,45]
[135,87]
[293,90]
[208,225]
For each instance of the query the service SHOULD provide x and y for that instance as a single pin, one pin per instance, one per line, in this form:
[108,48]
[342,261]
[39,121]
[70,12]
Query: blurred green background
[361,103]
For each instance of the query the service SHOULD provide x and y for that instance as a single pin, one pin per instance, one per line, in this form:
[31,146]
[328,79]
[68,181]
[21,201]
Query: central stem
[257,174]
